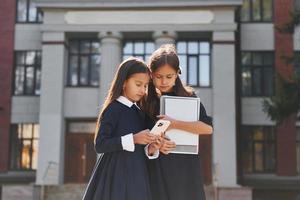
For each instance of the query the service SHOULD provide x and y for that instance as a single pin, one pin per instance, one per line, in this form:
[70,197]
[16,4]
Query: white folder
[183,109]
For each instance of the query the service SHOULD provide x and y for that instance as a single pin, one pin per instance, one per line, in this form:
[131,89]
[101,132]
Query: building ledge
[11,177]
[272,181]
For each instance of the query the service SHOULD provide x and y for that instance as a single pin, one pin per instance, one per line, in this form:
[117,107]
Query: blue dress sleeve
[106,141]
[204,117]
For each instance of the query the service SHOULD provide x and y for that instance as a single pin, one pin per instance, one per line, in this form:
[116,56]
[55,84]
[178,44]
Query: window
[139,49]
[27,11]
[258,149]
[297,62]
[297,5]
[24,146]
[298,149]
[84,62]
[194,59]
[257,73]
[257,11]
[27,78]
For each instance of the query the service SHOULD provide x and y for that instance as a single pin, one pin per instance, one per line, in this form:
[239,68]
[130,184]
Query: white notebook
[183,109]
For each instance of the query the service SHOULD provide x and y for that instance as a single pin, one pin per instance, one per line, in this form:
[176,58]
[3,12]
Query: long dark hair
[165,55]
[126,69]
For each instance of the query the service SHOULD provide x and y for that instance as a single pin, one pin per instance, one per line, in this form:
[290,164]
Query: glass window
[24,146]
[257,11]
[27,12]
[194,57]
[257,73]
[84,62]
[258,149]
[27,78]
[141,49]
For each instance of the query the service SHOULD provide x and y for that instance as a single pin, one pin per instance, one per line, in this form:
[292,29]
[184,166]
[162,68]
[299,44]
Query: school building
[57,60]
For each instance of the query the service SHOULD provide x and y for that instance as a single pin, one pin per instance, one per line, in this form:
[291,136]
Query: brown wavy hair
[165,55]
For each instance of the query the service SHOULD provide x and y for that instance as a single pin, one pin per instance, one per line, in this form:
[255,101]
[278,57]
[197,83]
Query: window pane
[84,70]
[258,156]
[96,47]
[30,58]
[246,81]
[257,82]
[85,47]
[150,47]
[19,79]
[73,77]
[27,131]
[268,9]
[35,148]
[20,58]
[204,70]
[258,134]
[22,10]
[257,58]
[246,58]
[32,11]
[38,75]
[256,10]
[192,71]
[25,163]
[38,58]
[29,80]
[245,13]
[193,47]
[138,47]
[268,81]
[95,63]
[74,47]
[270,157]
[268,59]
[182,61]
[128,48]
[181,47]
[204,47]
[36,130]
[247,154]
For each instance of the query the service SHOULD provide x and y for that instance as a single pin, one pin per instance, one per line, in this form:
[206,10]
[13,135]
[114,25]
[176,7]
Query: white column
[50,168]
[164,37]
[111,47]
[224,112]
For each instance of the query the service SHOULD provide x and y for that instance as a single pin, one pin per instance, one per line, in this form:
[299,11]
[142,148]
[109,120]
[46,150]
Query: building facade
[58,58]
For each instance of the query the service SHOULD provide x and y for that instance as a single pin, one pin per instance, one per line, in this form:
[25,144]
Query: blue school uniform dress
[121,172]
[177,176]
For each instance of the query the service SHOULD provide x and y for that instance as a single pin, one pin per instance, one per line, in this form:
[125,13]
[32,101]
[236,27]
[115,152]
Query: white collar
[126,101]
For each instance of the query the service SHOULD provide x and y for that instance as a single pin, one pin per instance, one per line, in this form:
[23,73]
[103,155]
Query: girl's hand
[165,117]
[167,146]
[155,146]
[144,137]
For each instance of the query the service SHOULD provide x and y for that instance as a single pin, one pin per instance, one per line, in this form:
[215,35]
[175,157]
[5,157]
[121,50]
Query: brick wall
[286,132]
[7,24]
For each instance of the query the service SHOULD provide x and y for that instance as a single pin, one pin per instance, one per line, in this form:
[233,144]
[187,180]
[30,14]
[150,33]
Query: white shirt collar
[126,101]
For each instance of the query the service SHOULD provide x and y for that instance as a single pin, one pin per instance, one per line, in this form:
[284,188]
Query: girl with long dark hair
[173,176]
[121,172]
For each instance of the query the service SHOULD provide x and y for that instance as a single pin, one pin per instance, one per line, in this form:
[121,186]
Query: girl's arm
[107,142]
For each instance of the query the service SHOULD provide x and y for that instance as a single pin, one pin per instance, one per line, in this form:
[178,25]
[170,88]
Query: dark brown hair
[126,69]
[165,55]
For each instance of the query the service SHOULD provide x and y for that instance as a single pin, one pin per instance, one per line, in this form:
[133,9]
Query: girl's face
[164,78]
[135,87]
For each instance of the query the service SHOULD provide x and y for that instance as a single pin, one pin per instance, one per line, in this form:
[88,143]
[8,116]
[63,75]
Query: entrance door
[80,157]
